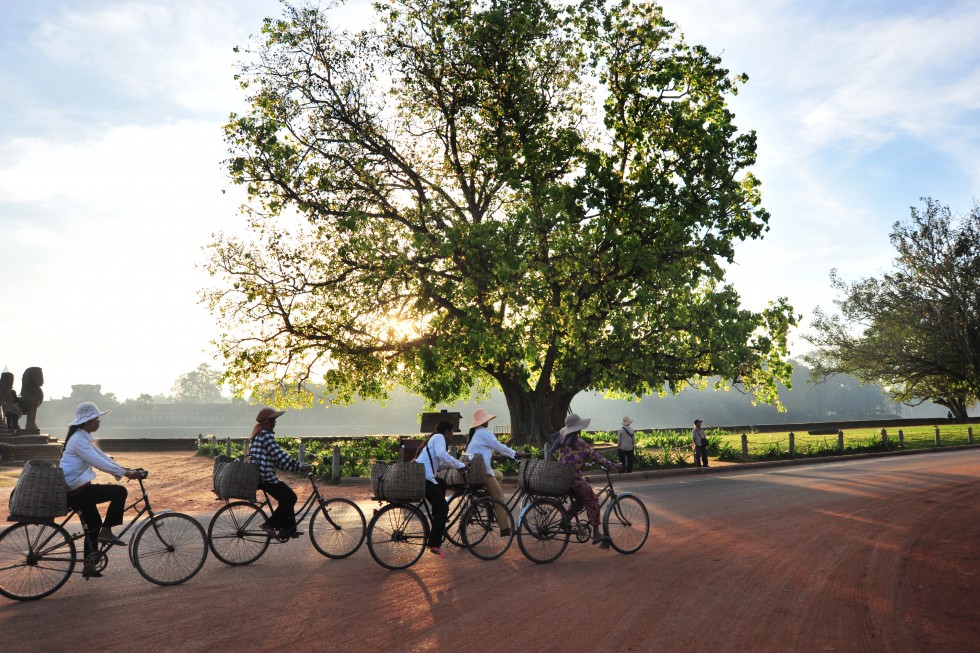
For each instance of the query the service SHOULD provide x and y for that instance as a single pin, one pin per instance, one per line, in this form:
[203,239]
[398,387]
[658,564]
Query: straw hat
[627,421]
[86,412]
[480,417]
[574,423]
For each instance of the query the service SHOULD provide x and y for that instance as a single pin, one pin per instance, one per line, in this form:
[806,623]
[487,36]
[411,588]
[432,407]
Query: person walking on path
[626,443]
[265,452]
[700,445]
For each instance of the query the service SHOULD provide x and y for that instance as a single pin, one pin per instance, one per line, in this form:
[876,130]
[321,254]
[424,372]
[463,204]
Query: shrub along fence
[334,458]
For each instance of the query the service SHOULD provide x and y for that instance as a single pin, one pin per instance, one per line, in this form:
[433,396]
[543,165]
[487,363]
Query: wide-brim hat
[574,423]
[269,413]
[86,412]
[627,421]
[481,416]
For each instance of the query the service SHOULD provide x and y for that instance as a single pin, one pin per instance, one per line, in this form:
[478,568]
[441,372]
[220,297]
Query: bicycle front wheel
[627,523]
[543,530]
[234,536]
[484,534]
[170,549]
[458,503]
[337,528]
[397,536]
[35,560]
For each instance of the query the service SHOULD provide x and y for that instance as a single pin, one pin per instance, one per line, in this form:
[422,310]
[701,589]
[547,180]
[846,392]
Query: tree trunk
[957,407]
[534,415]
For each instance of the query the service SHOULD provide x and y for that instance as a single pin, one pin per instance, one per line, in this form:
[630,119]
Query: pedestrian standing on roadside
[700,440]
[626,443]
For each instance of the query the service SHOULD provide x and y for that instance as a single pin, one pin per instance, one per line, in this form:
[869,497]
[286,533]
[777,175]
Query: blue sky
[111,179]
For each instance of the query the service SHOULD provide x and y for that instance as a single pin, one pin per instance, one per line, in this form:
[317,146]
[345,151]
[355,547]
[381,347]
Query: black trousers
[701,455]
[435,494]
[283,518]
[86,501]
[627,458]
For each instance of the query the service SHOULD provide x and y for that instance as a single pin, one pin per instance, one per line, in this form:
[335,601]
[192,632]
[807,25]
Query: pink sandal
[436,550]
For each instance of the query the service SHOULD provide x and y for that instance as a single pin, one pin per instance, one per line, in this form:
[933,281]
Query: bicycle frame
[313,499]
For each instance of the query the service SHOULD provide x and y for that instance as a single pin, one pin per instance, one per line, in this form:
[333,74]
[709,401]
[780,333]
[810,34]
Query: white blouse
[81,455]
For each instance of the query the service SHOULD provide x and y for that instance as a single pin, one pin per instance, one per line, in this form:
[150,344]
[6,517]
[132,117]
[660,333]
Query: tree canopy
[531,194]
[915,330]
[201,386]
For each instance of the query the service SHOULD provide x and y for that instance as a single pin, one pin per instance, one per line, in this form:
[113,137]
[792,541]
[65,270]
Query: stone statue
[31,397]
[8,402]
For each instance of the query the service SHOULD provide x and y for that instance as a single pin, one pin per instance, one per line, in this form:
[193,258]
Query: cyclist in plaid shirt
[269,456]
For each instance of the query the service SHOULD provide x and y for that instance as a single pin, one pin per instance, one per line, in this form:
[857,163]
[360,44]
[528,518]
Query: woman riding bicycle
[484,443]
[572,450]
[434,456]
[269,456]
[78,456]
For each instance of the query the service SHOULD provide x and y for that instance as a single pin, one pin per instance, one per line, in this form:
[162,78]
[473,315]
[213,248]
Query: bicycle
[37,556]
[462,500]
[236,538]
[398,532]
[545,527]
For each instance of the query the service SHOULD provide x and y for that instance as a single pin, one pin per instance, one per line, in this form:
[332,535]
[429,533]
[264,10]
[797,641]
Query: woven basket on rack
[476,475]
[545,477]
[398,481]
[219,466]
[237,480]
[40,492]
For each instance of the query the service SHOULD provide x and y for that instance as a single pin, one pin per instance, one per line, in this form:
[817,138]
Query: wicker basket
[219,467]
[398,481]
[237,480]
[545,477]
[476,475]
[40,492]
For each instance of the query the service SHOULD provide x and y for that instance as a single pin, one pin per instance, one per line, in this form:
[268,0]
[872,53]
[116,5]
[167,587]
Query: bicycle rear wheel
[627,523]
[337,528]
[543,531]
[483,534]
[234,536]
[397,535]
[170,549]
[35,560]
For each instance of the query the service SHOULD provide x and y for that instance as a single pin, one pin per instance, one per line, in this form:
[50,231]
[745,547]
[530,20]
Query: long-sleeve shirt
[698,436]
[578,454]
[434,451]
[80,456]
[484,443]
[625,438]
[269,456]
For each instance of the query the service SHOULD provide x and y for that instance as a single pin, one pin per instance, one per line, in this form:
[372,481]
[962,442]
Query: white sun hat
[86,412]
[574,423]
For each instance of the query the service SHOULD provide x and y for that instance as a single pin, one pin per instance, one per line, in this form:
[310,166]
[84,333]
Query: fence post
[335,471]
[901,439]
[840,441]
[939,442]
[884,439]
[301,453]
[247,446]
[969,434]
[745,448]
[792,445]
[200,440]
[228,447]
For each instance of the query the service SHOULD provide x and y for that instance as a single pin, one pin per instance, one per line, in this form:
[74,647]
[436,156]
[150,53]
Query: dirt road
[864,555]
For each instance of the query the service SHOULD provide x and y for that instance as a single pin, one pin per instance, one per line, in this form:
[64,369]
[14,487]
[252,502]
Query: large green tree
[201,386]
[915,330]
[532,194]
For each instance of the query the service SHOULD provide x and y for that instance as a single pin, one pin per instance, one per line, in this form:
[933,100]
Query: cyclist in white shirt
[484,443]
[434,456]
